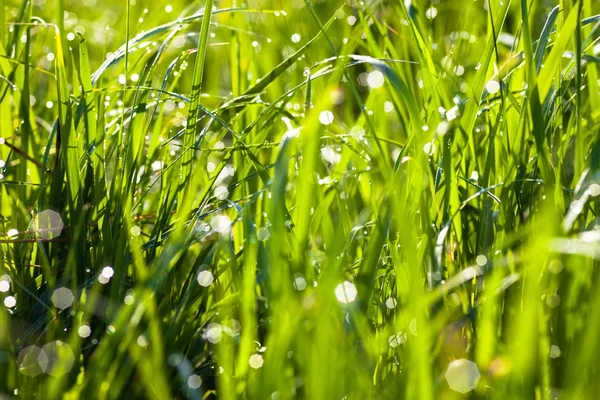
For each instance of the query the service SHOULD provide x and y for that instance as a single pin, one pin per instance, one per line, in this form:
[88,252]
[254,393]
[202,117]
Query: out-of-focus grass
[294,198]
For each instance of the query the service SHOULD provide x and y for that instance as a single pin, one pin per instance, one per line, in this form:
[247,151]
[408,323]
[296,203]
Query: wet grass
[280,199]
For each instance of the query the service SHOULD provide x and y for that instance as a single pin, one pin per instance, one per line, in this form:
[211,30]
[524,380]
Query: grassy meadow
[316,199]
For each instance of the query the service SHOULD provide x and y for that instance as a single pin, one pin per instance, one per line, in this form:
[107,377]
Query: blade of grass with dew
[192,123]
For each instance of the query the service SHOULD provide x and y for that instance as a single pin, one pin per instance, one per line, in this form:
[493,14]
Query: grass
[312,199]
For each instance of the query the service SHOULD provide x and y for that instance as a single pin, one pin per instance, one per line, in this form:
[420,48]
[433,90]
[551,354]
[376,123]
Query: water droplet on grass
[397,339]
[442,128]
[326,117]
[492,87]
[429,148]
[594,190]
[10,302]
[481,260]
[214,333]
[107,272]
[48,225]
[84,331]
[346,292]
[462,375]
[142,341]
[555,351]
[194,381]
[205,278]
[221,224]
[4,283]
[299,282]
[391,303]
[58,358]
[135,231]
[29,360]
[263,234]
[221,192]
[553,300]
[256,361]
[431,13]
[62,298]
[375,80]
[555,266]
